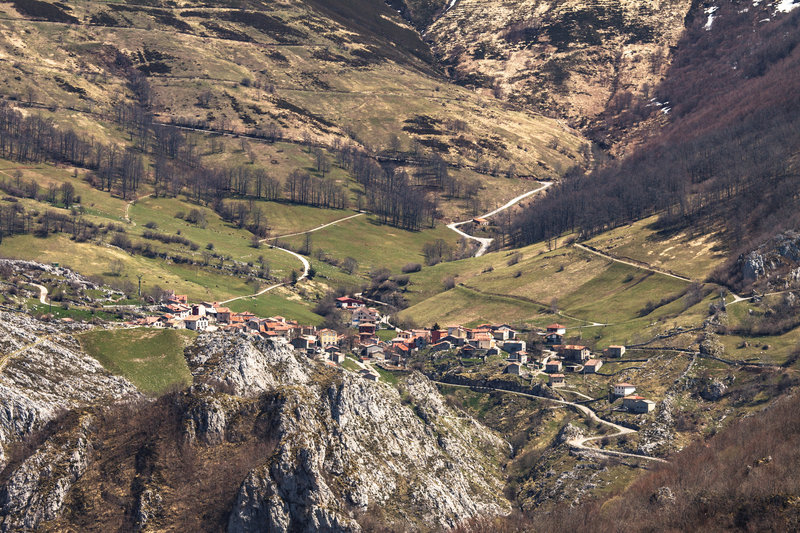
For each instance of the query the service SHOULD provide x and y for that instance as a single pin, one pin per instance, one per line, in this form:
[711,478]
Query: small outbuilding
[553,367]
[614,351]
[638,404]
[592,366]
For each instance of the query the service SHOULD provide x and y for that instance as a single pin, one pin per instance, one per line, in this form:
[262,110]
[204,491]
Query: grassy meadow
[152,359]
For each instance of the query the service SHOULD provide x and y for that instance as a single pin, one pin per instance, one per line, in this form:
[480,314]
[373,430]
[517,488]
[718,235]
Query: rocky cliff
[43,374]
[774,265]
[346,445]
[267,439]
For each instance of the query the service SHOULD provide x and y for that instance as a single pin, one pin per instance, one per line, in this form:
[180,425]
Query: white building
[624,389]
[196,323]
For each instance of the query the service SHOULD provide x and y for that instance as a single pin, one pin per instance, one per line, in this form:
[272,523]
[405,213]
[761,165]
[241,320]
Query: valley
[414,265]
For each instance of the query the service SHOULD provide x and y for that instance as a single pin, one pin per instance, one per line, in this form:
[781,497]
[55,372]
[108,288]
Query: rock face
[776,262]
[713,390]
[568,433]
[22,267]
[38,487]
[344,444]
[45,375]
[571,58]
[329,449]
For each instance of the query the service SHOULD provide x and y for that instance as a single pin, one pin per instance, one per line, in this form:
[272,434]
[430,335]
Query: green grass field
[373,245]
[151,359]
[684,254]
[280,302]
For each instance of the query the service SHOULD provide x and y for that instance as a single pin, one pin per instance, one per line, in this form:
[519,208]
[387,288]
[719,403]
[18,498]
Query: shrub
[411,267]
[350,265]
[121,240]
[401,281]
[448,283]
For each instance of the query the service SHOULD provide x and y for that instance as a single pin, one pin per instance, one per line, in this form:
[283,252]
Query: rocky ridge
[346,445]
[313,447]
[44,374]
[775,264]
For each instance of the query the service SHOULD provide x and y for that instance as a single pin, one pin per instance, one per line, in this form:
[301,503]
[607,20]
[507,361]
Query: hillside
[316,71]
[403,265]
[584,61]
[179,140]
[725,161]
[736,480]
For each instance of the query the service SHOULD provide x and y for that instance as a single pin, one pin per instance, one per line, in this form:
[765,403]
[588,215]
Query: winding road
[485,242]
[303,260]
[580,442]
[306,267]
[42,292]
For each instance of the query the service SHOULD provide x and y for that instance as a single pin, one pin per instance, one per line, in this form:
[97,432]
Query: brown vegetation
[744,479]
[726,160]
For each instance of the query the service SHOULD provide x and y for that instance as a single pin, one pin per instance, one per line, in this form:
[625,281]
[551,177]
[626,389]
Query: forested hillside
[725,161]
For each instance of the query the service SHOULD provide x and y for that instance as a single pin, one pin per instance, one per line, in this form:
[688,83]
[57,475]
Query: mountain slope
[571,59]
[726,159]
[269,440]
[316,70]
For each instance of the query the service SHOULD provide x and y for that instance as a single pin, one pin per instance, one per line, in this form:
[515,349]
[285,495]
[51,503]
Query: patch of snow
[451,5]
[710,12]
[666,110]
[784,6]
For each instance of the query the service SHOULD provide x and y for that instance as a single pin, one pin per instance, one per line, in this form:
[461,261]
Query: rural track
[128,208]
[303,260]
[314,229]
[737,298]
[588,323]
[579,443]
[634,264]
[306,267]
[485,242]
[42,292]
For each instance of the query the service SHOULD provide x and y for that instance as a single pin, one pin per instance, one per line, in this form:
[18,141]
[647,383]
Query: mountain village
[362,343]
